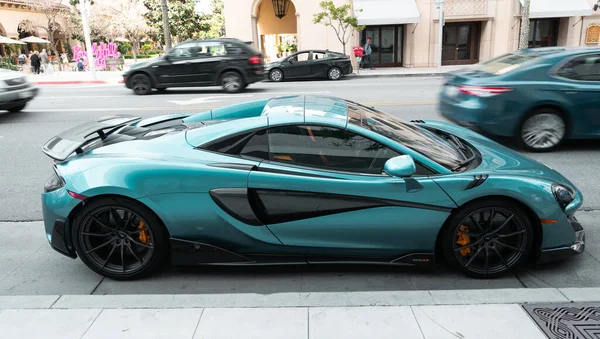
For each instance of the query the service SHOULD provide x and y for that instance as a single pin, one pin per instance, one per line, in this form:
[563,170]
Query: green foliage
[124,47]
[8,60]
[340,19]
[184,22]
[215,22]
[140,56]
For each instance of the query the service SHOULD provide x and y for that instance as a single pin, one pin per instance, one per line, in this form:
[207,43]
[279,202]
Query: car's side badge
[413,185]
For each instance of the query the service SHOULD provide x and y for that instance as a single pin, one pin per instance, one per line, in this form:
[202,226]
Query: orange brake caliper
[143,235]
[463,240]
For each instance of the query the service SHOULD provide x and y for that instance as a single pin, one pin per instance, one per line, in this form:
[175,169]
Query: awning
[386,12]
[558,8]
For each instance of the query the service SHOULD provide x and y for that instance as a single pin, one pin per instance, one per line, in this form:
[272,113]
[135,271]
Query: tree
[524,36]
[339,19]
[54,11]
[184,22]
[215,21]
[128,18]
[165,17]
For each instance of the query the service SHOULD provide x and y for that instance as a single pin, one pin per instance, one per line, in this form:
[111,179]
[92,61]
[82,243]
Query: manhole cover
[567,321]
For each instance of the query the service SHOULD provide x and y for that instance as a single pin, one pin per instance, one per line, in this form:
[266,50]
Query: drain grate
[567,321]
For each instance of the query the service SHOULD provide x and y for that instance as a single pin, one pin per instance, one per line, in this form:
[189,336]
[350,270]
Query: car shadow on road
[204,90]
[8,117]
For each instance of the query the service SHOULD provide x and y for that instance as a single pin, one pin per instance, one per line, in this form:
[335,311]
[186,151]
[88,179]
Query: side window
[248,145]
[301,57]
[183,51]
[211,49]
[327,148]
[319,56]
[582,68]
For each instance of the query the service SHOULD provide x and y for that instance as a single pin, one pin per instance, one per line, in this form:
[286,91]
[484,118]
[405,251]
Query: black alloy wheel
[488,239]
[141,84]
[119,239]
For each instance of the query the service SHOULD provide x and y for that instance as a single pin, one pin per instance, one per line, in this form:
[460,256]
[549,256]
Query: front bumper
[562,253]
[13,98]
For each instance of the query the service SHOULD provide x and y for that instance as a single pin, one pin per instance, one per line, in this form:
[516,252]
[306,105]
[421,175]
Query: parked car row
[231,64]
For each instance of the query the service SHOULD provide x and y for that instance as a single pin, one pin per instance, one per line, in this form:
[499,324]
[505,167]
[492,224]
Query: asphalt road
[29,266]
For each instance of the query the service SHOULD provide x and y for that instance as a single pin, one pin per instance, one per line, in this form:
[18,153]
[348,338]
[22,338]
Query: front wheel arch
[531,215]
[152,79]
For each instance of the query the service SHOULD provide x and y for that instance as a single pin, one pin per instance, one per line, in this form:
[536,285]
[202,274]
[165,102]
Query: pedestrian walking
[35,62]
[367,53]
[22,61]
[44,61]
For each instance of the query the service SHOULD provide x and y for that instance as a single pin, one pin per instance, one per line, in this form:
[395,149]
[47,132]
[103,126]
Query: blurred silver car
[15,90]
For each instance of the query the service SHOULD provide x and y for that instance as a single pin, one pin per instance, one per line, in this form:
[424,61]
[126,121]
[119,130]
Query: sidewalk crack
[92,323]
[23,262]
[97,285]
[198,323]
[417,320]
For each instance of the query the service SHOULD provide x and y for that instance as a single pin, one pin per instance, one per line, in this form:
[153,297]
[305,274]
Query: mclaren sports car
[300,180]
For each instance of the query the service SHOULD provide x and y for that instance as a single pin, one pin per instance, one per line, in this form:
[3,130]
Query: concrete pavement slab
[476,321]
[46,324]
[27,301]
[254,323]
[15,251]
[581,294]
[146,324]
[363,322]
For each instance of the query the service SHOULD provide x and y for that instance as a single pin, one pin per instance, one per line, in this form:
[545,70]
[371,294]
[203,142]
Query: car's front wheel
[119,238]
[543,130]
[334,73]
[487,239]
[276,75]
[141,84]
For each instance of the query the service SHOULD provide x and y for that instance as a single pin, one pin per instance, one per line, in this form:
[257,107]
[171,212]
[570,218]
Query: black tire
[97,240]
[161,90]
[551,130]
[276,75]
[141,84]
[505,249]
[334,73]
[17,108]
[232,82]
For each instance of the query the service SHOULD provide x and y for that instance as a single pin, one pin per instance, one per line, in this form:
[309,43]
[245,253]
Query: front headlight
[563,195]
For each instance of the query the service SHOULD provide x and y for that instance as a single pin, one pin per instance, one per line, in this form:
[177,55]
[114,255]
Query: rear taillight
[53,183]
[483,91]
[255,60]
[76,195]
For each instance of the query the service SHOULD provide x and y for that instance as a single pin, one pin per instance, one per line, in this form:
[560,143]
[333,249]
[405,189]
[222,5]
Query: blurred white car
[15,90]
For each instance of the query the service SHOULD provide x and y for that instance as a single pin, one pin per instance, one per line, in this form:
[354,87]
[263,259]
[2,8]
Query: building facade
[405,33]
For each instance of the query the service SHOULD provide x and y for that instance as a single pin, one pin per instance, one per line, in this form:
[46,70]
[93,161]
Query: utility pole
[440,6]
[85,8]
[524,36]
[166,28]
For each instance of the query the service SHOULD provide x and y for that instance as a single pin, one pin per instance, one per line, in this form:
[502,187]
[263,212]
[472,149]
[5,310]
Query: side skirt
[190,253]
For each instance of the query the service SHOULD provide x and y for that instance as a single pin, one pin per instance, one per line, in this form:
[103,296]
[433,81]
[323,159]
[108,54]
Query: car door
[211,57]
[297,66]
[580,84]
[322,189]
[319,64]
[177,69]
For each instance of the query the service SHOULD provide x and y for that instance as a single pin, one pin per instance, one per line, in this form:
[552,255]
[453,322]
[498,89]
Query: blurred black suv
[230,63]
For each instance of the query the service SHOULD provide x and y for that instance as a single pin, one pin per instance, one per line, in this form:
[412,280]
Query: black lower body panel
[59,239]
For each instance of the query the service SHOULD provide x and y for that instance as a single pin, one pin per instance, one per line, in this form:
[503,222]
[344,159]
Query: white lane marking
[204,100]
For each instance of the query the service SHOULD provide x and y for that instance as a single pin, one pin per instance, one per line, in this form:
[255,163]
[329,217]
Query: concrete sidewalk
[500,313]
[390,72]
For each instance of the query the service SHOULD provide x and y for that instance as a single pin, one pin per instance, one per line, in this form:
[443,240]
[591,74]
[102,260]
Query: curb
[79,82]
[305,299]
[401,75]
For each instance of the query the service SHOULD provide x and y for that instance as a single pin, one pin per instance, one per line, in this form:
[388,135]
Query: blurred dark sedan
[538,96]
[312,64]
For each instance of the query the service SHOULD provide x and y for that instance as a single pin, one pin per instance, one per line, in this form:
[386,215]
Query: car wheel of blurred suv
[141,84]
[232,82]
[543,131]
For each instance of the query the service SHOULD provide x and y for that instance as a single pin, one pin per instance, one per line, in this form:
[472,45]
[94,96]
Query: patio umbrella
[35,40]
[5,40]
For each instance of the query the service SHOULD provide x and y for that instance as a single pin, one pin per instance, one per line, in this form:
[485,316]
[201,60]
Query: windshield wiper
[464,162]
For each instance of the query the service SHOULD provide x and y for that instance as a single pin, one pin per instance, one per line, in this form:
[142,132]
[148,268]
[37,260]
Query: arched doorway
[275,37]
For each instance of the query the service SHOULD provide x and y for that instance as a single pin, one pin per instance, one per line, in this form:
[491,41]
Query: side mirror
[402,166]
[290,60]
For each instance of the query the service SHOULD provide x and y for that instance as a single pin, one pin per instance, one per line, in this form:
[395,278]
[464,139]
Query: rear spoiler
[61,146]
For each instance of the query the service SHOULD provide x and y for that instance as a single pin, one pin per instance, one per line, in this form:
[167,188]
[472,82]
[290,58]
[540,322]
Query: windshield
[504,63]
[418,139]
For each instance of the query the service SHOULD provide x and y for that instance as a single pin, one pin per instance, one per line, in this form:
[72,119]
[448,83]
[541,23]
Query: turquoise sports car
[300,180]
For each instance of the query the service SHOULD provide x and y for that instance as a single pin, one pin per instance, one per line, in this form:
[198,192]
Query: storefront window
[386,44]
[543,32]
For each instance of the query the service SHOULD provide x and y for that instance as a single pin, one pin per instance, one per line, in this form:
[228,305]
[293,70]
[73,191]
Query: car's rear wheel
[487,239]
[17,108]
[141,84]
[543,130]
[119,238]
[334,73]
[232,82]
[276,75]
